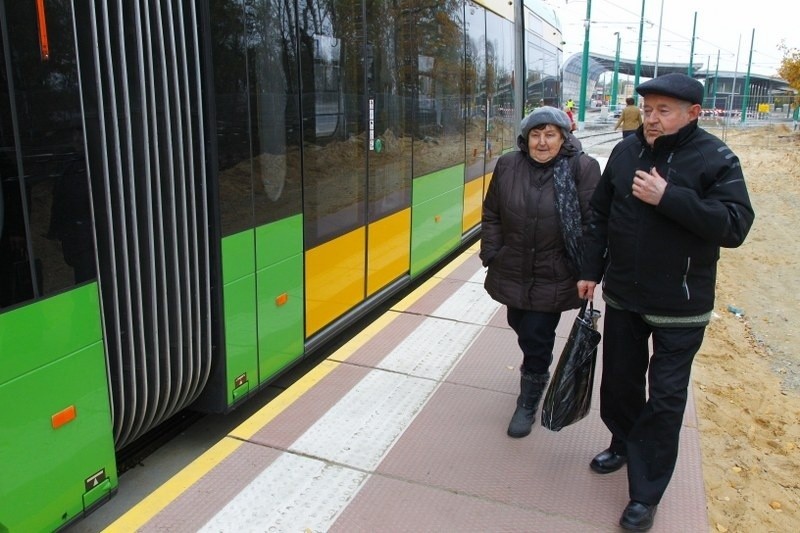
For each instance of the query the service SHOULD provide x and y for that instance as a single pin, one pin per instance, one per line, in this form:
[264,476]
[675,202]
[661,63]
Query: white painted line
[293,494]
[361,428]
[470,303]
[432,349]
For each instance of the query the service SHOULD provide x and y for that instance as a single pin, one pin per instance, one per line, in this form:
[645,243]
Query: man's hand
[648,186]
[586,289]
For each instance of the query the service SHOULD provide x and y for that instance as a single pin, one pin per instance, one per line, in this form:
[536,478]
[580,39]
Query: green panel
[437,184]
[72,319]
[238,256]
[279,241]
[241,345]
[280,327]
[48,473]
[432,240]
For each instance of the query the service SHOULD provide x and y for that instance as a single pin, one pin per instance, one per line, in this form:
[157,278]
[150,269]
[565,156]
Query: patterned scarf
[569,211]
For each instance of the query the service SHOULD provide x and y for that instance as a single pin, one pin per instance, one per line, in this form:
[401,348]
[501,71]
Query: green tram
[196,195]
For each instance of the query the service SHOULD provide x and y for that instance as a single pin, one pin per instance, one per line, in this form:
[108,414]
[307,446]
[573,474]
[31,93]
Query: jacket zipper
[685,277]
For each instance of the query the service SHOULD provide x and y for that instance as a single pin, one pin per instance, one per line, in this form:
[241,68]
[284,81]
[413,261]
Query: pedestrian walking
[630,119]
[531,241]
[670,197]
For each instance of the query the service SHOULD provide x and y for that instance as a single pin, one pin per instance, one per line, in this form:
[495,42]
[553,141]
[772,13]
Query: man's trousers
[643,398]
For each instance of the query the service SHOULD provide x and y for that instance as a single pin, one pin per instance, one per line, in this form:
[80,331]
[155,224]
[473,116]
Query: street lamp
[616,76]
[658,46]
[716,75]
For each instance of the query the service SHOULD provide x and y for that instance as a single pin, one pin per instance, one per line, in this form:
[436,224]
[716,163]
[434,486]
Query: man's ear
[694,111]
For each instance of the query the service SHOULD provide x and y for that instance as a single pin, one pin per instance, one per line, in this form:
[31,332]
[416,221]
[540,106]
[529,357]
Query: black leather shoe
[607,461]
[638,516]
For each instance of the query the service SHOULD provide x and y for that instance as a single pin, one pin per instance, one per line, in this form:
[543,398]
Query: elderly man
[670,196]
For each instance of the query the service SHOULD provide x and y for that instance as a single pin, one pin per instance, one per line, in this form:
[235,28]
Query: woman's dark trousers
[536,335]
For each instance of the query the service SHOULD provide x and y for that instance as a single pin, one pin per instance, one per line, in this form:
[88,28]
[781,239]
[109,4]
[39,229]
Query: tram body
[196,195]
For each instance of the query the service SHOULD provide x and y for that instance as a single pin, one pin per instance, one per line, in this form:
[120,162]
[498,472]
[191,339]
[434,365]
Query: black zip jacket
[662,260]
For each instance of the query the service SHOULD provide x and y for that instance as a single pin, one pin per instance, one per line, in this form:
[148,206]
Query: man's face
[664,115]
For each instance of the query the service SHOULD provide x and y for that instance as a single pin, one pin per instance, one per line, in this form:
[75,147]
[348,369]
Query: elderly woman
[533,218]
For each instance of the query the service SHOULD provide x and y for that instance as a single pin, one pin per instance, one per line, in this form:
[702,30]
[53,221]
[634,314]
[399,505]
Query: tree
[790,68]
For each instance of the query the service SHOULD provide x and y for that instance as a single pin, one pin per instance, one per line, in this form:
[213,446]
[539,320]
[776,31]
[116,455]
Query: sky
[723,28]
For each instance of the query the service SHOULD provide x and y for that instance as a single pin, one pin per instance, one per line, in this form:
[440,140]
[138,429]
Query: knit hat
[676,85]
[545,115]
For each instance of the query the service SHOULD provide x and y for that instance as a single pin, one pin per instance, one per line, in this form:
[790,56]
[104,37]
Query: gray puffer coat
[522,242]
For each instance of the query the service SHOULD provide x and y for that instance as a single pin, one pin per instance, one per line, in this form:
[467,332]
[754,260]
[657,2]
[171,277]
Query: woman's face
[545,143]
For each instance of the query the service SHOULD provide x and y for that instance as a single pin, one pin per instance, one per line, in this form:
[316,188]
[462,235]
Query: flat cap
[545,115]
[676,85]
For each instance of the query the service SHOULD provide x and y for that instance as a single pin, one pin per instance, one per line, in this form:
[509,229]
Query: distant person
[570,104]
[533,218]
[630,119]
[528,107]
[670,196]
[571,115]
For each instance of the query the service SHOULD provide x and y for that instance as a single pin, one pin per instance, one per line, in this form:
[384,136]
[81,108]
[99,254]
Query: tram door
[357,178]
[56,447]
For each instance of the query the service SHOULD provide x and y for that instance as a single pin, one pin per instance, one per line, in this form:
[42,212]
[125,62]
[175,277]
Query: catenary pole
[584,67]
[746,99]
[615,79]
[638,68]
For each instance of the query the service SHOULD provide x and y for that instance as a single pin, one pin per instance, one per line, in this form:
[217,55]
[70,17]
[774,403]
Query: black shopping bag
[569,395]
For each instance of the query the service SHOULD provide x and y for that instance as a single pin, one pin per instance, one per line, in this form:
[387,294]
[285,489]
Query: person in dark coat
[531,231]
[670,196]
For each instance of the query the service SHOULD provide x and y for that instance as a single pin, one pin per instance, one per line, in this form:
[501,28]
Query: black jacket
[661,260]
[521,236]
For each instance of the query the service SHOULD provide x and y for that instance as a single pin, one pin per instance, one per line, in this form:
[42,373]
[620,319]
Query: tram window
[38,254]
[228,47]
[389,159]
[334,122]
[16,283]
[439,112]
[274,85]
[502,126]
[478,92]
[70,210]
[46,243]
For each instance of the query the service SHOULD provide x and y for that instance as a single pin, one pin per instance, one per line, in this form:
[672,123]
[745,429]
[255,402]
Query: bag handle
[583,315]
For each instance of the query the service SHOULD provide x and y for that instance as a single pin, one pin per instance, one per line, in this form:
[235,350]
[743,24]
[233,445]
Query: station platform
[403,428]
